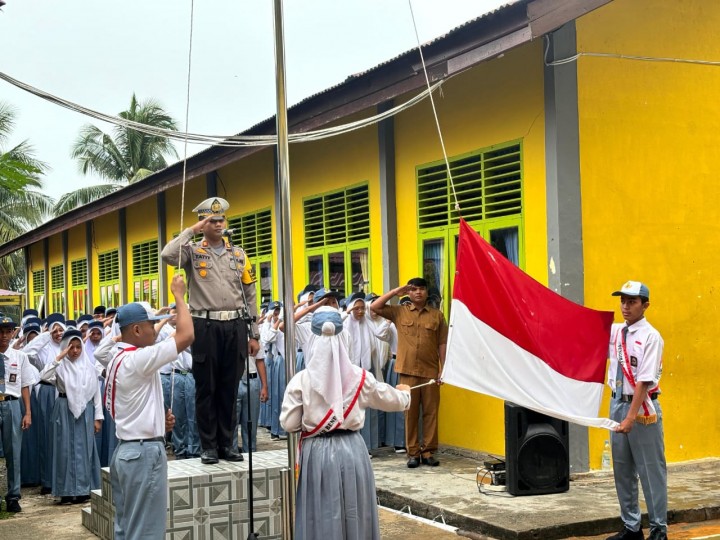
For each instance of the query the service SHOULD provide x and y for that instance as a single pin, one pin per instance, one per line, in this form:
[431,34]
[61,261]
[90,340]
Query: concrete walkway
[589,508]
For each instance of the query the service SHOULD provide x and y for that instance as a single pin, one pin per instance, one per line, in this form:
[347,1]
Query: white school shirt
[183,362]
[19,372]
[644,350]
[299,396]
[138,401]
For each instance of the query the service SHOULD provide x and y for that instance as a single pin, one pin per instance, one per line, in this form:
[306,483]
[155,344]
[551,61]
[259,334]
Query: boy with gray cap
[638,449]
[133,395]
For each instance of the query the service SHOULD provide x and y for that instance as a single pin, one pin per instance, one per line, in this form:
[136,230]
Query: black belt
[336,432]
[62,394]
[299,349]
[252,375]
[152,439]
[7,398]
[629,397]
[46,383]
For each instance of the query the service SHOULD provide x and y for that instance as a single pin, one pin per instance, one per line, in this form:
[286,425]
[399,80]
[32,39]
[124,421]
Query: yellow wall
[55,258]
[499,101]
[649,154]
[105,238]
[35,263]
[329,165]
[141,221]
[76,250]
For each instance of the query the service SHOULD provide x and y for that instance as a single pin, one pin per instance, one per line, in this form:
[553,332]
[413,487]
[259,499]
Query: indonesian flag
[513,338]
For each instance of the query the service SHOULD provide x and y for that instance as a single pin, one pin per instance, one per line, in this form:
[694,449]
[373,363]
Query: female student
[76,417]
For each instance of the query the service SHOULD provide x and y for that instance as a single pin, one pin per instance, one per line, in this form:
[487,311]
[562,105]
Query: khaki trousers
[429,397]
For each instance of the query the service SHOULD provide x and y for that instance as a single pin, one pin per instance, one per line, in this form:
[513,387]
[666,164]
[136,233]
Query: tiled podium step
[207,502]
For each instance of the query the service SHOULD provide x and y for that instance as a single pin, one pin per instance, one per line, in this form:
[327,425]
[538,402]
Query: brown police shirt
[420,334]
[214,280]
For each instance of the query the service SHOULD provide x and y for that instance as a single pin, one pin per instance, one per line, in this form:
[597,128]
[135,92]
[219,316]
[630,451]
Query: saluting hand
[63,353]
[198,227]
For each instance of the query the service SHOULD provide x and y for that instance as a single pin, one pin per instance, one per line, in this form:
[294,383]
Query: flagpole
[282,197]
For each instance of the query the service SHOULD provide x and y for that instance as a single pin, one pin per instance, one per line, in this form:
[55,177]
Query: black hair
[644,299]
[417,282]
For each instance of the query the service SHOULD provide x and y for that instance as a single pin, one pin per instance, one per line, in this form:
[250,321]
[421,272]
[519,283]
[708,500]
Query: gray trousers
[138,474]
[10,422]
[640,453]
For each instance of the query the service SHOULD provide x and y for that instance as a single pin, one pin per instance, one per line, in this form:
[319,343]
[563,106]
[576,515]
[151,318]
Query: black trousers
[218,355]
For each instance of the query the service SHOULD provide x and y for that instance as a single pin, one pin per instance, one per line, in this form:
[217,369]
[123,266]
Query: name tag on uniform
[13,377]
[633,361]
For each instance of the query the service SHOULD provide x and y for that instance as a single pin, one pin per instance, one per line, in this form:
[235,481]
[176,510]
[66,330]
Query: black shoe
[65,500]
[45,491]
[230,454]
[13,505]
[627,534]
[657,534]
[209,457]
[274,437]
[413,463]
[81,499]
[431,461]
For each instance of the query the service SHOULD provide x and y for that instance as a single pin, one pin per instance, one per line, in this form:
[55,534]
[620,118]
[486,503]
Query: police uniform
[15,374]
[215,276]
[641,452]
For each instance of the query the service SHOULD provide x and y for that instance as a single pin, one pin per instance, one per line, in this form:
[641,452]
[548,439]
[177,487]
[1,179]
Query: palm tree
[21,207]
[125,157]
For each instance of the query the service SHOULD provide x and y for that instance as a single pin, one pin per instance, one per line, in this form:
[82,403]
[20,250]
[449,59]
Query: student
[179,395]
[30,456]
[16,379]
[138,469]
[327,402]
[76,417]
[42,351]
[364,351]
[105,440]
[638,449]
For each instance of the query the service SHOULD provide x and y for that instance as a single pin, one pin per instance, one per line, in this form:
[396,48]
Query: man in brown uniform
[422,336]
[216,272]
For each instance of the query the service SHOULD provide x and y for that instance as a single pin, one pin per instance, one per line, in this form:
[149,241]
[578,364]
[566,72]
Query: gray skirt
[336,490]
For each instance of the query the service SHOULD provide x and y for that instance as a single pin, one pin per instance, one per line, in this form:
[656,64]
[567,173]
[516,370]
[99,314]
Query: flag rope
[184,173]
[434,109]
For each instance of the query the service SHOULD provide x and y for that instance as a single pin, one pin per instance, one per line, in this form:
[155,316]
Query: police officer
[216,272]
[16,376]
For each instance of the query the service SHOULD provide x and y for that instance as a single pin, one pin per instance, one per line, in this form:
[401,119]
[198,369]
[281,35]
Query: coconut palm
[124,157]
[21,207]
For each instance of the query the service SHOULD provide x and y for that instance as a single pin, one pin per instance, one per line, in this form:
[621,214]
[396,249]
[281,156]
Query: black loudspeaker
[536,452]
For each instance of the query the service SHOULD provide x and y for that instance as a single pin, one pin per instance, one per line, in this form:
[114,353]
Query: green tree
[122,158]
[22,208]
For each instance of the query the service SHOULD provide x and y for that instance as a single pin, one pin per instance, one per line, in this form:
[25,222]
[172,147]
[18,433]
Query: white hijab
[50,351]
[332,377]
[79,377]
[361,338]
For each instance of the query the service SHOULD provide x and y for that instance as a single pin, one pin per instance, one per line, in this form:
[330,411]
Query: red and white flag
[513,338]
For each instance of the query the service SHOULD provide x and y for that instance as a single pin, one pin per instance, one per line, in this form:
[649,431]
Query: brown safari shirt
[213,283]
[420,334]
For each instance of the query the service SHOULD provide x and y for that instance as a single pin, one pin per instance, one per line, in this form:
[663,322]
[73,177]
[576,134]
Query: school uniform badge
[633,361]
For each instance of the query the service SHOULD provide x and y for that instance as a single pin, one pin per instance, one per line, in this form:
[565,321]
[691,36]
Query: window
[79,285]
[109,277]
[488,185]
[253,232]
[337,239]
[38,277]
[57,288]
[146,277]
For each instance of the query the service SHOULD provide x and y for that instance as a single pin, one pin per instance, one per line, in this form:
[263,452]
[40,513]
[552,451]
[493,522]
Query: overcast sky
[98,52]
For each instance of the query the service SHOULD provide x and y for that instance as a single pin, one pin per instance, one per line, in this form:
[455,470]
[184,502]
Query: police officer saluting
[217,275]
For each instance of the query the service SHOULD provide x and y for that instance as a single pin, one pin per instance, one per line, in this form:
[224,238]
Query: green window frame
[489,187]
[38,277]
[79,286]
[253,232]
[109,278]
[337,238]
[145,273]
[57,288]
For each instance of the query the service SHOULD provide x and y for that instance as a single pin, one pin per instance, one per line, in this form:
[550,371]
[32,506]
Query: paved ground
[450,491]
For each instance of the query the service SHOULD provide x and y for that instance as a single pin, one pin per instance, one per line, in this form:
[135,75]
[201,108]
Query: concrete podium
[208,502]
